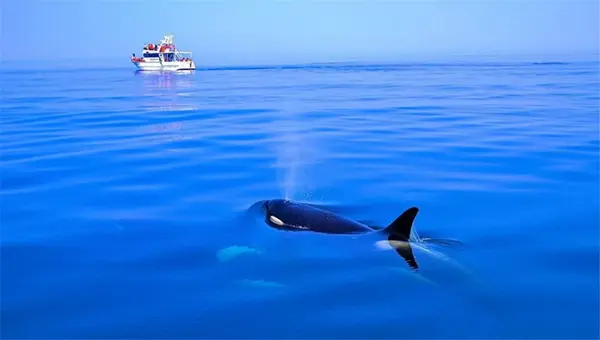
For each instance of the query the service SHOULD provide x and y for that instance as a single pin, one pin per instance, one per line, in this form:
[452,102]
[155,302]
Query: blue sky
[263,32]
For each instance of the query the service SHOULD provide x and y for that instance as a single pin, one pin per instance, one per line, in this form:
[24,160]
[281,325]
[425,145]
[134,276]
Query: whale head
[280,214]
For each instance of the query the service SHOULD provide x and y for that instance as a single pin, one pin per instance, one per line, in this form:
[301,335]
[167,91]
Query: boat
[163,57]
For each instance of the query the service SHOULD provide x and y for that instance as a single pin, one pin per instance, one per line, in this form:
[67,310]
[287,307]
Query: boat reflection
[169,96]
[178,80]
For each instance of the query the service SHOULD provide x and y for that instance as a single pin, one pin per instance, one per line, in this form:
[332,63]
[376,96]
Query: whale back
[294,216]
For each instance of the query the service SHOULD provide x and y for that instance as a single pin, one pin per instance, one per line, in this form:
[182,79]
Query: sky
[230,32]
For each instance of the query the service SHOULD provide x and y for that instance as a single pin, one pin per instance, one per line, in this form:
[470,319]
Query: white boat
[163,57]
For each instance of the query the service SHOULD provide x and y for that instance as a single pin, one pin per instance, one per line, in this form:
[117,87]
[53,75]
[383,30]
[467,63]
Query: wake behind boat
[163,57]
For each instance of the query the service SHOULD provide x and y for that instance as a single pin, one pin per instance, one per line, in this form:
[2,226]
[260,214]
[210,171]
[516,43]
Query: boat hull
[165,66]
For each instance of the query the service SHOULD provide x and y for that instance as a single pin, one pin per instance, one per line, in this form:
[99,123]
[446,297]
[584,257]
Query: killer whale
[286,215]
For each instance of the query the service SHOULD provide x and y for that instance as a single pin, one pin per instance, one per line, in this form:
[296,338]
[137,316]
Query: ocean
[125,201]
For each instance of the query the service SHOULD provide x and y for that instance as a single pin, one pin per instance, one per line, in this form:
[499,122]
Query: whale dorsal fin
[402,225]
[399,235]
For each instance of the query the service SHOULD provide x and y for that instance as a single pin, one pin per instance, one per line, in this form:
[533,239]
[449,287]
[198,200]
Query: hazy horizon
[119,62]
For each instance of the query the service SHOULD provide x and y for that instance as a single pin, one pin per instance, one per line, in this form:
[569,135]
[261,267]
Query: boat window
[150,55]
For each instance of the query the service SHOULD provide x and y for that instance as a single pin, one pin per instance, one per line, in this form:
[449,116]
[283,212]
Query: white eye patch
[275,220]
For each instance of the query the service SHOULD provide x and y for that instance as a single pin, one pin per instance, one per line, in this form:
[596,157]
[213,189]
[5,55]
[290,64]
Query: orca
[286,215]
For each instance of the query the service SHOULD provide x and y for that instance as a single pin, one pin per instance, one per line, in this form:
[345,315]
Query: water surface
[124,197]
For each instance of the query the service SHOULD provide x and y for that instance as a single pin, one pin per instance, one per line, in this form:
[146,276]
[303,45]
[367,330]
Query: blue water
[125,201]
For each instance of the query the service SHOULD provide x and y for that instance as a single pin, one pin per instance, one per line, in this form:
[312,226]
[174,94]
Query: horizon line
[450,59]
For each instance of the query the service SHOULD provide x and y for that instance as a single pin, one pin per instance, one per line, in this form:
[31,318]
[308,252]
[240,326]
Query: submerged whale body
[297,217]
